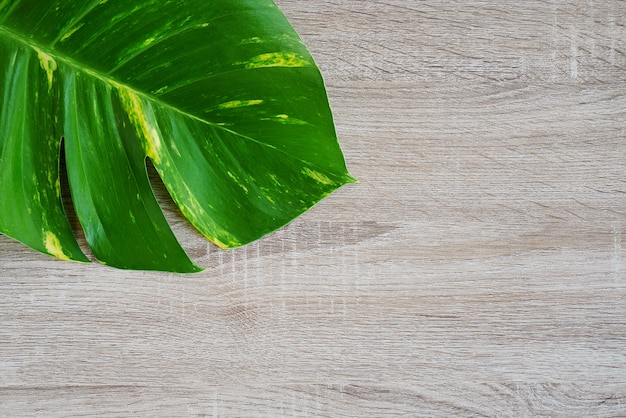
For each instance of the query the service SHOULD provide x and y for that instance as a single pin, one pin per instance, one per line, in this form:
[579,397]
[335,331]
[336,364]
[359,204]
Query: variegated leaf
[221,95]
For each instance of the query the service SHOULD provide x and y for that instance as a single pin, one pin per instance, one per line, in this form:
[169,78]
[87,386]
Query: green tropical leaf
[222,96]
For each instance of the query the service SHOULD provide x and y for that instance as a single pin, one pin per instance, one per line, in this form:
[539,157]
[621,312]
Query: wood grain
[477,268]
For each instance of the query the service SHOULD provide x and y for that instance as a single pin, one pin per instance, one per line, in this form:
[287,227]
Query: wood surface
[477,269]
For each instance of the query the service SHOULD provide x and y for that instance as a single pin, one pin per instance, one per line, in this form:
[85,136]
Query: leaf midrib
[59,57]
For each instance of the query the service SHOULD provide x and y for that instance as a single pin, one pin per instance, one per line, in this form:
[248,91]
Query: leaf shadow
[68,205]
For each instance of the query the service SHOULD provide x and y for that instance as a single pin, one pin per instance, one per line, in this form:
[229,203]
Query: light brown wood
[477,269]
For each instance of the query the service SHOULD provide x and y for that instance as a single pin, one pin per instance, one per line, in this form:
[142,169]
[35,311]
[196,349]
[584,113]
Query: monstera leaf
[221,96]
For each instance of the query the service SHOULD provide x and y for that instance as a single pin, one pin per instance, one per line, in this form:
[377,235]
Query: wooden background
[478,268]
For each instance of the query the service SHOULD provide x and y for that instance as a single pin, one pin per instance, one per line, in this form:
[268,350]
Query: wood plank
[477,268]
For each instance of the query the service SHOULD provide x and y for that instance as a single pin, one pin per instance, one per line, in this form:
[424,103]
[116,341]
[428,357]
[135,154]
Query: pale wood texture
[478,268]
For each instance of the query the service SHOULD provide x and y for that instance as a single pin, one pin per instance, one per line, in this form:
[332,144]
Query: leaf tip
[349,179]
[53,247]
